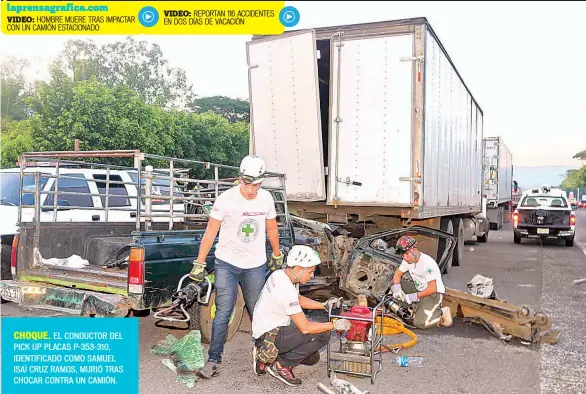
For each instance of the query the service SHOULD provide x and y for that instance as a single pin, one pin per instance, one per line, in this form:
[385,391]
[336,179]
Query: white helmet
[252,169]
[302,256]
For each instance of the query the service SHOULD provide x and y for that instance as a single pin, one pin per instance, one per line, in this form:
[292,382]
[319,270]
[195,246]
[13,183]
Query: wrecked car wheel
[202,317]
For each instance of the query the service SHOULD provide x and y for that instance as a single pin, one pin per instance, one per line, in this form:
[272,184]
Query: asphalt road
[461,359]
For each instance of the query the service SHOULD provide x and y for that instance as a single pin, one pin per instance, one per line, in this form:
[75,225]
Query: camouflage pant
[427,310]
[290,347]
[267,351]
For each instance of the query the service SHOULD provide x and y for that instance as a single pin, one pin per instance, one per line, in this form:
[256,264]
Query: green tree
[131,63]
[13,89]
[580,155]
[575,179]
[234,110]
[101,118]
[116,118]
[16,138]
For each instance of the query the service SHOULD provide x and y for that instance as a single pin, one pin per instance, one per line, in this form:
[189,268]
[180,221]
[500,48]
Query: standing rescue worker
[284,338]
[246,216]
[427,288]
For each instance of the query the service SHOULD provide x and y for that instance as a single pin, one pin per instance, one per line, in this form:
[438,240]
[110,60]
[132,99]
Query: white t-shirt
[243,238]
[423,272]
[277,301]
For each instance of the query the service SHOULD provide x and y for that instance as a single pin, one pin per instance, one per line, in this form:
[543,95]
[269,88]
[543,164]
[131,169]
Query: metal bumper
[63,299]
[535,232]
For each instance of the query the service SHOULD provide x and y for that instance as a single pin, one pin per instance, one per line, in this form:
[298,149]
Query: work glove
[396,290]
[411,298]
[334,302]
[276,262]
[198,273]
[342,325]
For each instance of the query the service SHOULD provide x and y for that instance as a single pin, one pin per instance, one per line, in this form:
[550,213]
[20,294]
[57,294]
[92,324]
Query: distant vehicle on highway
[544,213]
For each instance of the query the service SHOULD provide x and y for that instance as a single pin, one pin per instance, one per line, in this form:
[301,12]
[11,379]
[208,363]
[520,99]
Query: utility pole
[76,148]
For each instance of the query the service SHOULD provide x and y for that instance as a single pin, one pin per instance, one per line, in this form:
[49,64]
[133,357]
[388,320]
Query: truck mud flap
[62,299]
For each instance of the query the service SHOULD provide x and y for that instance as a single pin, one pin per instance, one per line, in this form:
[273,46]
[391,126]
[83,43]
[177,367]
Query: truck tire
[459,249]
[202,317]
[447,226]
[5,263]
[483,238]
[516,238]
[6,273]
[570,241]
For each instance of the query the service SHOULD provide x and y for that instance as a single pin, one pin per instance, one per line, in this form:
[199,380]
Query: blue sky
[524,63]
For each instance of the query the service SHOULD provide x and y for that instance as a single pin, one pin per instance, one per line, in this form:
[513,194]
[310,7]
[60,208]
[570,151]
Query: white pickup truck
[80,180]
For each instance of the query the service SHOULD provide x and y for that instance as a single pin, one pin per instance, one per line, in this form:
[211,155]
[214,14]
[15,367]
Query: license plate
[542,231]
[10,293]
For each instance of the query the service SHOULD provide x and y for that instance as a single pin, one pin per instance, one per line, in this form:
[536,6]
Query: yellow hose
[395,327]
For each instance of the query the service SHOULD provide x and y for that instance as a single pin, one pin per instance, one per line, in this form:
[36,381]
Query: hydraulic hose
[395,327]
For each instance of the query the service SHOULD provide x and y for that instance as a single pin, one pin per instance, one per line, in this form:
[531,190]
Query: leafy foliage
[118,96]
[129,63]
[580,155]
[232,109]
[14,89]
[576,178]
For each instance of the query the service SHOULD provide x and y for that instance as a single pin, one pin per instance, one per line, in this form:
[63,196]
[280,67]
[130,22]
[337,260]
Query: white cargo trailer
[498,181]
[373,126]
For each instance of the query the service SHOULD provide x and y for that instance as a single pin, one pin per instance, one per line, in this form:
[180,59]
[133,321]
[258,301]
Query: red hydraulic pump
[359,330]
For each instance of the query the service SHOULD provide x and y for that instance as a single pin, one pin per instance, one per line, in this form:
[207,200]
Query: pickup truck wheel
[6,257]
[516,238]
[569,241]
[202,317]
[6,273]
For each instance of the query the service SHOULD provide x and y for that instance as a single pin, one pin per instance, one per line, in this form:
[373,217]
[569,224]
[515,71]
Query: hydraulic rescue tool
[184,297]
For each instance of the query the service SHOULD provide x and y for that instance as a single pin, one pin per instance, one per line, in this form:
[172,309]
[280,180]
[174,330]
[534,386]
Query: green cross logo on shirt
[247,230]
[429,270]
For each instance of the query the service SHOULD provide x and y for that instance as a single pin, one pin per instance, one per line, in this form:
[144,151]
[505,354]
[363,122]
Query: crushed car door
[372,263]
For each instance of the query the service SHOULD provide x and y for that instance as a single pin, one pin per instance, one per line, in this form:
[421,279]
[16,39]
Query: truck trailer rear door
[285,112]
[371,119]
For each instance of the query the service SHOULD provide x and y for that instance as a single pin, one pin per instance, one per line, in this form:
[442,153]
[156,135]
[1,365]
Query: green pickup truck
[129,249]
[130,264]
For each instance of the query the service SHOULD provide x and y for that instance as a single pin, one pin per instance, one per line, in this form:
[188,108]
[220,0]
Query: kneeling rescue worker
[283,336]
[427,288]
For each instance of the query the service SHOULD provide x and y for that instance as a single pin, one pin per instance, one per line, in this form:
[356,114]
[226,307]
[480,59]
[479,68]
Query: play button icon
[148,16]
[289,16]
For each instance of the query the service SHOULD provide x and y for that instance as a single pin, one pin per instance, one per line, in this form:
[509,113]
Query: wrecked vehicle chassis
[366,266]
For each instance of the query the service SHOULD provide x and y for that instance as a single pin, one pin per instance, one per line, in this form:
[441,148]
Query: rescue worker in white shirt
[284,338]
[427,288]
[246,216]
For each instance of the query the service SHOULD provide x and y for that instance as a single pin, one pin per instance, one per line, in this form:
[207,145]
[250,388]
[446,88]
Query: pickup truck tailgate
[544,217]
